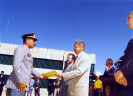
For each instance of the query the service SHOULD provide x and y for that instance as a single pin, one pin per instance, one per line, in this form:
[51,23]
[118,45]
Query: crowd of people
[75,76]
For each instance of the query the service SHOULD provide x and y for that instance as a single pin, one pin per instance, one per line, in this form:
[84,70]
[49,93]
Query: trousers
[12,92]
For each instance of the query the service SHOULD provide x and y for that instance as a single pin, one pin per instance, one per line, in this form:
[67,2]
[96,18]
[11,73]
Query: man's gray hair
[80,43]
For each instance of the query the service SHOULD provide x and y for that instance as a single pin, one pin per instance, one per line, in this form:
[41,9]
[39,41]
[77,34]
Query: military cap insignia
[34,36]
[28,54]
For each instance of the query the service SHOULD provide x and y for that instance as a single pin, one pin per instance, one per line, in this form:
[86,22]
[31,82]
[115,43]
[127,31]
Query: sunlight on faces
[69,59]
[130,20]
[31,42]
[77,49]
[107,63]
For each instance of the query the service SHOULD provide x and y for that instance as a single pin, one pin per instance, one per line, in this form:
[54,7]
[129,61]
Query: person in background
[97,85]
[2,81]
[64,84]
[31,87]
[50,88]
[109,70]
[37,87]
[56,85]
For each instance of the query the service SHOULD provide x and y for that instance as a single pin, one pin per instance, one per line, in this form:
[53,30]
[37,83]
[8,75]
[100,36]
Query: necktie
[37,82]
[77,57]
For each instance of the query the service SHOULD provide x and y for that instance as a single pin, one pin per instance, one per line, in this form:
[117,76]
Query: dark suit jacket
[2,80]
[50,86]
[64,84]
[110,72]
[37,85]
[127,69]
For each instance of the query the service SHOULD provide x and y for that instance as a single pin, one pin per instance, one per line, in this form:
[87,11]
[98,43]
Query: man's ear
[27,40]
[73,61]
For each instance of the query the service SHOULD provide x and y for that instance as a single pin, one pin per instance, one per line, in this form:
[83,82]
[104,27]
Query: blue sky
[101,24]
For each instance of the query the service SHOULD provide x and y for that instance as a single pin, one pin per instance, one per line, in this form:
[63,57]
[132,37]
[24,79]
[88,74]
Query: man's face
[97,77]
[108,63]
[69,59]
[2,73]
[31,42]
[130,20]
[77,48]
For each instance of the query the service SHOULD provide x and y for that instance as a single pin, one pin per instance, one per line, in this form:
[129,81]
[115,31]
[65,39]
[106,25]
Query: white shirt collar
[70,65]
[110,67]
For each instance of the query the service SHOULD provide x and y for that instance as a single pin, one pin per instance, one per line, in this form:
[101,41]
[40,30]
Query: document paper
[49,74]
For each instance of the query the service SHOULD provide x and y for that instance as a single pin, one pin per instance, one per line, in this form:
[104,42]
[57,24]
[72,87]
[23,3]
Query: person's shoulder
[20,48]
[100,80]
[113,68]
[86,56]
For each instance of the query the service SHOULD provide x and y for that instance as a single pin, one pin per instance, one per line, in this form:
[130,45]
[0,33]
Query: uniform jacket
[22,68]
[2,80]
[79,76]
[64,84]
[110,72]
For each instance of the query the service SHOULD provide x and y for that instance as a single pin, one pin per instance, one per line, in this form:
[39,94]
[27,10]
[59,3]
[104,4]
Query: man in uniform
[19,79]
[125,75]
[79,75]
